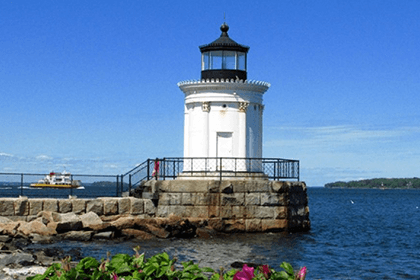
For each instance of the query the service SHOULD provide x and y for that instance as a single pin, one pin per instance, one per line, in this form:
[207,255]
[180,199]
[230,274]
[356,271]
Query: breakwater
[163,209]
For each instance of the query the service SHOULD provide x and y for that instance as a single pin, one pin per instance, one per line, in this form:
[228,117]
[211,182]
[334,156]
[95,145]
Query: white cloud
[6,155]
[43,157]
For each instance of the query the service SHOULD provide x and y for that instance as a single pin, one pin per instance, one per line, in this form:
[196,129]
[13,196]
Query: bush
[160,266]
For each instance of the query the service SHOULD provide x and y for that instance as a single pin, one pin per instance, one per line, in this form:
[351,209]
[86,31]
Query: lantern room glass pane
[216,59]
[229,60]
[241,61]
[205,61]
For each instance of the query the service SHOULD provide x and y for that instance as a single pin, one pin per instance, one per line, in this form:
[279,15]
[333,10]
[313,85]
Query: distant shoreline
[377,183]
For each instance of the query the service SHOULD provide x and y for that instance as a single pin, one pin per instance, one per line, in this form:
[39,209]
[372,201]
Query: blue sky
[91,86]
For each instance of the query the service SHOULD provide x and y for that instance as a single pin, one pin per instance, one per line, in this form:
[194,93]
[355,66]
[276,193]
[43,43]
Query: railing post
[116,187]
[221,169]
[298,170]
[122,184]
[71,182]
[148,169]
[129,184]
[173,169]
[21,184]
[164,168]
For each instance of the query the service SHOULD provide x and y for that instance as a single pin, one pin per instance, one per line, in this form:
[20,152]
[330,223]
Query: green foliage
[160,266]
[379,183]
[286,274]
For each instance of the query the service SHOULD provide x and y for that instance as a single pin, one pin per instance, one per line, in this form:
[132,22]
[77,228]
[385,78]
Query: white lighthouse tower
[223,122]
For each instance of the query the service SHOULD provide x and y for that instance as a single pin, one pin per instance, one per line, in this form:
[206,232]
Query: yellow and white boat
[57,180]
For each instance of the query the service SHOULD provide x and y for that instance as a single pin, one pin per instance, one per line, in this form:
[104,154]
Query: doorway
[224,150]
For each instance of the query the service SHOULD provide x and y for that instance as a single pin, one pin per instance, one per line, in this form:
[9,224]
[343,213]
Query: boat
[57,180]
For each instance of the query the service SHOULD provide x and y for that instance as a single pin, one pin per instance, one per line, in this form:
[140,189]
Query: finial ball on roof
[224,27]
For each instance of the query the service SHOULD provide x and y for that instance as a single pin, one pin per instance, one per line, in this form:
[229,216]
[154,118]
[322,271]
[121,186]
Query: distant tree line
[379,183]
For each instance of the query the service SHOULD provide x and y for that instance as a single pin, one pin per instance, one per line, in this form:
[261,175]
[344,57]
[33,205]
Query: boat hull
[57,186]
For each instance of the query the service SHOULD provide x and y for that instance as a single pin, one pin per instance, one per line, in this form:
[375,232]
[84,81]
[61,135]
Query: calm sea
[356,234]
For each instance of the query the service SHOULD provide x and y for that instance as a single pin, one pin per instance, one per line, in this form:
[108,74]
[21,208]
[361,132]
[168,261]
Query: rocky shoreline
[164,209]
[19,262]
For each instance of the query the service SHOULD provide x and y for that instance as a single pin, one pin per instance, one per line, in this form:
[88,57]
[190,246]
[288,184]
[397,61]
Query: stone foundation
[181,208]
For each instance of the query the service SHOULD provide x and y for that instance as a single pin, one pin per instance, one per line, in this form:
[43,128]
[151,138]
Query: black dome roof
[224,43]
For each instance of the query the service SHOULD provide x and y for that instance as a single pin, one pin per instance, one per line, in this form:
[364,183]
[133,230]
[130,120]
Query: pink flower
[265,271]
[114,276]
[302,273]
[247,273]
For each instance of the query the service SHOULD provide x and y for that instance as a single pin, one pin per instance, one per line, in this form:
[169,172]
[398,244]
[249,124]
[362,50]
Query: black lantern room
[224,58]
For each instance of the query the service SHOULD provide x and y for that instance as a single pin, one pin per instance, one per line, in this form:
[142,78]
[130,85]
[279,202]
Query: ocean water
[355,234]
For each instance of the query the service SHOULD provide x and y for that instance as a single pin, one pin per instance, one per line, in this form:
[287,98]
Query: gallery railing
[217,168]
[92,186]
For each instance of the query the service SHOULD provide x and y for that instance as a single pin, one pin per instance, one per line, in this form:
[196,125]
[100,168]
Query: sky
[91,86]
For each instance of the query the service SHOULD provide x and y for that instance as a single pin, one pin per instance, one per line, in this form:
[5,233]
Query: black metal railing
[92,186]
[217,168]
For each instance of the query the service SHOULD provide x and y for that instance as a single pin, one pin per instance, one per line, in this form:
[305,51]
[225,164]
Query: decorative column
[186,131]
[243,106]
[205,106]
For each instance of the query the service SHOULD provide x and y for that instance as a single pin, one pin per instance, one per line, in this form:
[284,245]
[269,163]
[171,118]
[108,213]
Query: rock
[21,207]
[124,222]
[78,205]
[24,272]
[274,225]
[56,252]
[158,232]
[90,218]
[110,206]
[217,224]
[35,206]
[67,222]
[16,258]
[95,206]
[7,207]
[137,206]
[4,220]
[253,225]
[47,217]
[77,235]
[35,227]
[149,207]
[64,205]
[181,228]
[43,259]
[5,238]
[124,205]
[42,239]
[50,205]
[237,225]
[102,227]
[10,228]
[103,235]
[206,232]
[138,234]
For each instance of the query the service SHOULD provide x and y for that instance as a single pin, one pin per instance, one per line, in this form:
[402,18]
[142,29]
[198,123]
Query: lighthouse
[223,111]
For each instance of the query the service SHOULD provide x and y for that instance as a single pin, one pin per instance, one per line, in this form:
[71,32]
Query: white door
[224,150]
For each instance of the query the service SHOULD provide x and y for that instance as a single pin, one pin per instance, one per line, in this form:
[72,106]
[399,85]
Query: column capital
[205,106]
[243,106]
